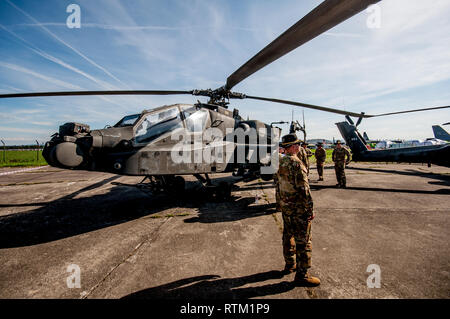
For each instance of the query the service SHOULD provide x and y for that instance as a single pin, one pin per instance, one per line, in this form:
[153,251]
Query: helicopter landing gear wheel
[163,184]
[177,185]
[267,177]
[223,191]
[173,184]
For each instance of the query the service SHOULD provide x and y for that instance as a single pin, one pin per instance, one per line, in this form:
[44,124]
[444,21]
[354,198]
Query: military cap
[338,142]
[319,144]
[289,139]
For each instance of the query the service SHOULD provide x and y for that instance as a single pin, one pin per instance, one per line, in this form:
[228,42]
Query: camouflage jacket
[292,187]
[303,156]
[339,155]
[321,155]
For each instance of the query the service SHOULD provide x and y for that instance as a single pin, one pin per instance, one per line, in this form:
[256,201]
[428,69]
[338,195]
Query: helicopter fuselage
[177,139]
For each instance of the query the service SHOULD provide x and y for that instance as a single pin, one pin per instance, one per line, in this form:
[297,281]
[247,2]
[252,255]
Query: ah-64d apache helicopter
[141,144]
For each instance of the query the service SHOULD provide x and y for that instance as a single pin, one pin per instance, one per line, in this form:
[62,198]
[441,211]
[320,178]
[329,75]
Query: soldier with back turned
[321,156]
[341,158]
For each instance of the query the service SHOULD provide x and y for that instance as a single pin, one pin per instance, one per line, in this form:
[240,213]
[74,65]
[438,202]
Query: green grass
[20,158]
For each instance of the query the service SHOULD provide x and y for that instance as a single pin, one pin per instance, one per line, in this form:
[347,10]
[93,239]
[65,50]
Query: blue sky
[184,45]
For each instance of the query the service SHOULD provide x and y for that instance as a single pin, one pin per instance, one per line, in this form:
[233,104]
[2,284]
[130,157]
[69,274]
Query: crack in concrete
[148,238]
[274,215]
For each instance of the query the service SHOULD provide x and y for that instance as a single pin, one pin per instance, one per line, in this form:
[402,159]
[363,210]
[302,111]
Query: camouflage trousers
[320,169]
[297,246]
[339,168]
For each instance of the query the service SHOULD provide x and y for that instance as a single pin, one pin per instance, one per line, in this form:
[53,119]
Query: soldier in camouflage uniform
[295,202]
[341,157]
[303,156]
[308,154]
[321,156]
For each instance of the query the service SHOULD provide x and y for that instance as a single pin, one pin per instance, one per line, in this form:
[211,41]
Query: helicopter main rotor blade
[309,106]
[338,111]
[410,111]
[78,93]
[324,17]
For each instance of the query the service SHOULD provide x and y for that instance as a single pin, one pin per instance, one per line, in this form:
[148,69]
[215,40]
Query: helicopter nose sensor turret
[69,147]
[76,146]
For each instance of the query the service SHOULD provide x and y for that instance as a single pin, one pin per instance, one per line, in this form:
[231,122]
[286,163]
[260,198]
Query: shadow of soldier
[210,287]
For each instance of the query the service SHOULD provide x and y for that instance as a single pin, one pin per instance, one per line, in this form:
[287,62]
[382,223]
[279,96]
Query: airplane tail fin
[352,137]
[366,137]
[440,133]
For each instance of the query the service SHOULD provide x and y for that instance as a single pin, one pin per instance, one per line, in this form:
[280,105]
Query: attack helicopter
[143,144]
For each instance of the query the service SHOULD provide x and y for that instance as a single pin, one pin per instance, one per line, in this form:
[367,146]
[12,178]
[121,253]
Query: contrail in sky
[66,44]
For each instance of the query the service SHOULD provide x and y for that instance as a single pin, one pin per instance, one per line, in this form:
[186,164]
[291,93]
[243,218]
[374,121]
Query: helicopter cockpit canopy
[157,123]
[128,120]
[196,118]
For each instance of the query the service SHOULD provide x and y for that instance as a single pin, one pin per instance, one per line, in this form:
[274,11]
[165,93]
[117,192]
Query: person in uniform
[321,156]
[308,154]
[294,200]
[303,156]
[341,158]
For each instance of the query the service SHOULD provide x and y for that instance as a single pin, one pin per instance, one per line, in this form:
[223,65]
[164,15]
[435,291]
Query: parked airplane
[431,154]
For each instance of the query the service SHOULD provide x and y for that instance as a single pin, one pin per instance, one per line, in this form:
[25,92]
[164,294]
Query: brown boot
[289,268]
[305,280]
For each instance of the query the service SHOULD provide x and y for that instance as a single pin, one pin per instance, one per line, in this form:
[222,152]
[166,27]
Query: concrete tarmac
[389,228]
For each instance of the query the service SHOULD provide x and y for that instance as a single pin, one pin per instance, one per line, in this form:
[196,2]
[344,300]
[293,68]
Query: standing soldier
[321,156]
[308,154]
[339,158]
[303,157]
[295,203]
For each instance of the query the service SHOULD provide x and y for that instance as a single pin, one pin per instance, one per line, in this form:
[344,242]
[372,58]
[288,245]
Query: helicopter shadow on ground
[213,287]
[238,206]
[69,216]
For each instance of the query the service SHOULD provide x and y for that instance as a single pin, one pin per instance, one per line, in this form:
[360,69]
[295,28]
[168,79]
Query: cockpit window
[158,123]
[128,120]
[195,119]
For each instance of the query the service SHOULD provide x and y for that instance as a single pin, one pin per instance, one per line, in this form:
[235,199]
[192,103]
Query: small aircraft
[431,154]
[143,145]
